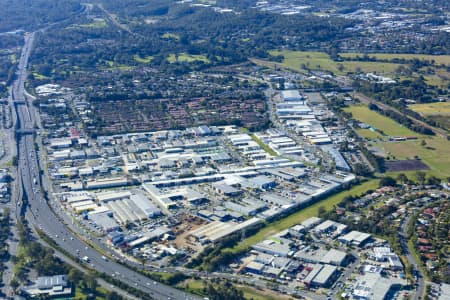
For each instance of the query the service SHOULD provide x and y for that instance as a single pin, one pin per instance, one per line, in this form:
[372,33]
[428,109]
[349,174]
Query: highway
[38,212]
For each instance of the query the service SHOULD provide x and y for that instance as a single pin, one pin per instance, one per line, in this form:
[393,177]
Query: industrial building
[291,95]
[217,230]
[355,238]
[372,286]
[279,248]
[128,206]
[49,286]
[173,198]
[106,183]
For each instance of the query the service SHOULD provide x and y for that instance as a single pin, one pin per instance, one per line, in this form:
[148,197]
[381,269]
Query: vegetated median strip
[264,146]
[303,214]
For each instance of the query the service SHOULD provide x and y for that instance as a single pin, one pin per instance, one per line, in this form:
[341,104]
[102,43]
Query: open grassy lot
[304,214]
[440,78]
[264,146]
[439,110]
[444,120]
[428,109]
[435,153]
[143,60]
[369,134]
[387,125]
[40,76]
[184,57]
[111,65]
[196,287]
[438,59]
[80,295]
[100,23]
[301,60]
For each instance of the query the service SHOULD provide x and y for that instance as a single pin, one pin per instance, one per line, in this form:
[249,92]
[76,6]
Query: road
[37,211]
[113,19]
[411,259]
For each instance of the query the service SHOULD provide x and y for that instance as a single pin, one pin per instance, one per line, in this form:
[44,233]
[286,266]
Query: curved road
[38,212]
[411,259]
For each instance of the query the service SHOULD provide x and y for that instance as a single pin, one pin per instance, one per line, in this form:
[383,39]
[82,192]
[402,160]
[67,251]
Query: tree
[433,180]
[423,143]
[90,283]
[361,169]
[387,181]
[402,178]
[321,210]
[421,176]
[113,296]
[75,276]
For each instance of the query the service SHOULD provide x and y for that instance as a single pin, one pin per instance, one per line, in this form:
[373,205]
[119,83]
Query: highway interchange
[38,212]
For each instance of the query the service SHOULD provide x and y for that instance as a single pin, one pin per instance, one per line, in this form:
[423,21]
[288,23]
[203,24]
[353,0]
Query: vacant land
[143,60]
[429,109]
[320,61]
[304,214]
[434,153]
[443,120]
[197,287]
[386,125]
[406,165]
[369,134]
[264,146]
[438,59]
[439,110]
[440,78]
[99,23]
[183,57]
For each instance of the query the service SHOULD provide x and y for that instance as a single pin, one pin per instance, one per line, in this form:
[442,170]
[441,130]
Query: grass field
[111,65]
[143,60]
[40,76]
[79,295]
[387,125]
[439,59]
[100,23]
[304,214]
[428,109]
[439,79]
[183,57]
[435,153]
[13,58]
[439,110]
[196,287]
[443,120]
[264,146]
[301,60]
[369,134]
[171,36]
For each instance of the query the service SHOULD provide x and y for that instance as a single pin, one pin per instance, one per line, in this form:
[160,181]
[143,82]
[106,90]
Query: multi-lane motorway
[38,212]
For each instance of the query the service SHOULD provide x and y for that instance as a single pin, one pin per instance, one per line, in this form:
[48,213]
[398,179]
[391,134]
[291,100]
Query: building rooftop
[325,274]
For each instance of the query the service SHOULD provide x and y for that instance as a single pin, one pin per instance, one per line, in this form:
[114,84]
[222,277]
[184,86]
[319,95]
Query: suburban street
[411,259]
[40,215]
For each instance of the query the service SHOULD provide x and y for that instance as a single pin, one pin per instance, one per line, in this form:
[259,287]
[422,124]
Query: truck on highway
[86,259]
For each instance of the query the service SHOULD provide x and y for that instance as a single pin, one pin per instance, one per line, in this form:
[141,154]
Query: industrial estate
[225,150]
